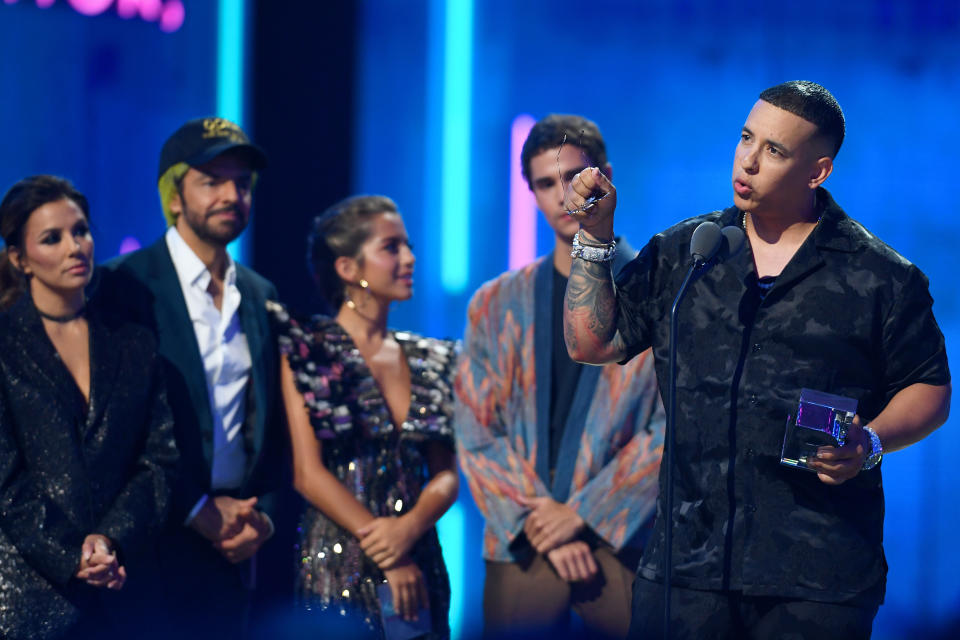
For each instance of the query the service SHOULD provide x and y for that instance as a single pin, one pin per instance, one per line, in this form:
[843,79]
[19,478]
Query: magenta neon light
[89,7]
[168,14]
[149,10]
[128,244]
[172,16]
[523,207]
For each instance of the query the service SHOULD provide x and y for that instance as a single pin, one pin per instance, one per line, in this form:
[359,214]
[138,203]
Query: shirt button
[756,347]
[750,453]
[750,508]
[753,400]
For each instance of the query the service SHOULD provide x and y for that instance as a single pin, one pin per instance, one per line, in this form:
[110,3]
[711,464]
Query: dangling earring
[363,285]
[366,291]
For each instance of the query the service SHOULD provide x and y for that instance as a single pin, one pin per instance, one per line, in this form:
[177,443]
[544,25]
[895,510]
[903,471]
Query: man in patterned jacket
[561,458]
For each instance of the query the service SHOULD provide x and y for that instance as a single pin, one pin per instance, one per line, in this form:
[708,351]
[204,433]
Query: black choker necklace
[67,317]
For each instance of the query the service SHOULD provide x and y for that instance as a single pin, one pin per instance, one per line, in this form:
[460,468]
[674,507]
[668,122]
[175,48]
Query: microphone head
[733,241]
[705,241]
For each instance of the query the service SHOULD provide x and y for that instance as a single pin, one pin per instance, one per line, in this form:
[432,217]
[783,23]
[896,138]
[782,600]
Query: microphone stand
[697,267]
[709,245]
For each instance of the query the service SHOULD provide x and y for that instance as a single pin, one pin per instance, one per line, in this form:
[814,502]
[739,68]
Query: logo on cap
[222,128]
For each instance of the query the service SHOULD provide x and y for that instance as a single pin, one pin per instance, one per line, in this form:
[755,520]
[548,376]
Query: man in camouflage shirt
[762,549]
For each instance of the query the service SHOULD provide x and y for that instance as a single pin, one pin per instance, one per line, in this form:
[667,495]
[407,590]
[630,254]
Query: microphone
[711,245]
[705,242]
[732,244]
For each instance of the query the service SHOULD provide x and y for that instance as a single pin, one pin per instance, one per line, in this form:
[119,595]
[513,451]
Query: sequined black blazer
[69,468]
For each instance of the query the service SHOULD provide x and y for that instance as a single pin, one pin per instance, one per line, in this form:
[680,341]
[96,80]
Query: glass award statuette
[822,420]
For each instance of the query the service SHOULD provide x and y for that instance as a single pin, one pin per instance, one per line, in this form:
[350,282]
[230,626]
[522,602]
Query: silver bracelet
[598,253]
[876,450]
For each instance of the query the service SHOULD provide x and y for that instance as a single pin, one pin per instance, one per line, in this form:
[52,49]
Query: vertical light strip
[451,529]
[455,149]
[231,36]
[523,206]
[231,15]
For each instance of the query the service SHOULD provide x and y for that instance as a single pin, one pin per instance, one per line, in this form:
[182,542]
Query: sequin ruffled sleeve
[432,363]
[317,372]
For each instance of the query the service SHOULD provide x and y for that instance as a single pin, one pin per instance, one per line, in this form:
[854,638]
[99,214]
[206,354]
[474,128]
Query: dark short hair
[813,103]
[341,231]
[21,200]
[549,134]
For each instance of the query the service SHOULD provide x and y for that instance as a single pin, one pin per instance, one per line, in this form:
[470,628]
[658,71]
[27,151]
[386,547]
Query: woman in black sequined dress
[369,412]
[86,437]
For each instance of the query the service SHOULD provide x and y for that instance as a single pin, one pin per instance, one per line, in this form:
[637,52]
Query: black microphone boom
[709,246]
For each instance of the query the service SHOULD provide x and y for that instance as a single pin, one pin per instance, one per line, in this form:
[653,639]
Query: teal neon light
[230,62]
[451,529]
[231,35]
[455,151]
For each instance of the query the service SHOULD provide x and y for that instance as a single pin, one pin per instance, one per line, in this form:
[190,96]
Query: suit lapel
[573,428]
[576,420]
[41,367]
[543,360]
[104,365]
[253,319]
[42,363]
[176,340]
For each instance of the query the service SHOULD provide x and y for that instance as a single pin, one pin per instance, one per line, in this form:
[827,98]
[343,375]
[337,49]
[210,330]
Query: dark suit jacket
[68,469]
[143,287]
[201,590]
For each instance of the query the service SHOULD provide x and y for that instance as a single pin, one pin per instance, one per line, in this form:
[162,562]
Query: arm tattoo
[592,309]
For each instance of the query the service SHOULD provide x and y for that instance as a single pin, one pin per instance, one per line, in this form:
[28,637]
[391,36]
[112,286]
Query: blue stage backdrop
[441,86]
[92,96]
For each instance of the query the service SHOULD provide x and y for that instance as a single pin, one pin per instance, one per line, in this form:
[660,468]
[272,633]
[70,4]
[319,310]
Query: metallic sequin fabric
[69,468]
[384,467]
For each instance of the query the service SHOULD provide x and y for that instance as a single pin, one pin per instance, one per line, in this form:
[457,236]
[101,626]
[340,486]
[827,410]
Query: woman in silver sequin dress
[86,437]
[369,412]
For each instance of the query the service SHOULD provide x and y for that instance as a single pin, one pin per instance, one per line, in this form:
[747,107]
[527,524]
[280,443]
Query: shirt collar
[835,231]
[190,269]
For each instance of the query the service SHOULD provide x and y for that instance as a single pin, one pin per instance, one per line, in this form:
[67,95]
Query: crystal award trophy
[822,420]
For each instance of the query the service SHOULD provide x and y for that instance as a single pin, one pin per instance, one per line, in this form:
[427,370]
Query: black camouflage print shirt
[848,315]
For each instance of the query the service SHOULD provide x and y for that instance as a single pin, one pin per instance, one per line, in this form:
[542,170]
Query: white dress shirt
[226,359]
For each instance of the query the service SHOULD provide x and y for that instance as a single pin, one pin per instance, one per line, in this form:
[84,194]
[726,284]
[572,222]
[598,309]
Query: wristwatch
[876,450]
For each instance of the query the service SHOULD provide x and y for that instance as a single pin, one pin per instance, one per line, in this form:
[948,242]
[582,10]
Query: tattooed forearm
[591,299]
[570,337]
[584,281]
[590,316]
